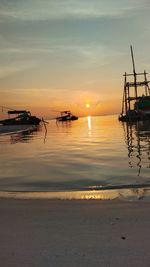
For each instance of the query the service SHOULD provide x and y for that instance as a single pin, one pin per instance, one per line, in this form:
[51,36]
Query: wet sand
[74,233]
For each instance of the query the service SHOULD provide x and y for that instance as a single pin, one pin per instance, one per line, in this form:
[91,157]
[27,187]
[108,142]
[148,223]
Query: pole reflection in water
[137,138]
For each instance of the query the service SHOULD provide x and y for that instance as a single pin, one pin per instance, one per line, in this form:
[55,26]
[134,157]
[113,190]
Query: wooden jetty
[136,96]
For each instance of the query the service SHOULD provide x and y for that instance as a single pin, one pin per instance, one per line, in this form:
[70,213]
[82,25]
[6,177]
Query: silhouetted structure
[135,106]
[66,116]
[23,118]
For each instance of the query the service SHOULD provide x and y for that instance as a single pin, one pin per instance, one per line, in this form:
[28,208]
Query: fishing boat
[135,105]
[22,117]
[142,105]
[66,116]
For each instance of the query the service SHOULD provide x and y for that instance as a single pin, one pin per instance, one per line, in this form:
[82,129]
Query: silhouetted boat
[23,118]
[66,116]
[135,106]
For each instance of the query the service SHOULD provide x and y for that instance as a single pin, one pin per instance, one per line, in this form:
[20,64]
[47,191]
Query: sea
[90,158]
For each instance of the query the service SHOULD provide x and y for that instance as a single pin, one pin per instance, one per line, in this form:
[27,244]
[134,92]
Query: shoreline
[125,193]
[46,232]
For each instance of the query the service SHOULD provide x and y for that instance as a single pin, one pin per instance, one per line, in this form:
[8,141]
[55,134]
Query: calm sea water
[92,153]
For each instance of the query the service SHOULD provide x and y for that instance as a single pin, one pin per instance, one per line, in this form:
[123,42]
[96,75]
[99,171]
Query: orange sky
[42,103]
[62,56]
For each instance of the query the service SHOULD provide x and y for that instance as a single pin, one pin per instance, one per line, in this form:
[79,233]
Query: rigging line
[3,107]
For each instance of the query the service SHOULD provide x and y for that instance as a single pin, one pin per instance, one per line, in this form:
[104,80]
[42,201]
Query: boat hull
[66,118]
[12,129]
[29,121]
[137,117]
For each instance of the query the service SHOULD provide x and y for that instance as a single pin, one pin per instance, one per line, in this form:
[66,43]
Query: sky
[65,54]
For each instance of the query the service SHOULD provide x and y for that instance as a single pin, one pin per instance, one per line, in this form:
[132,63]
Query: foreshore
[74,233]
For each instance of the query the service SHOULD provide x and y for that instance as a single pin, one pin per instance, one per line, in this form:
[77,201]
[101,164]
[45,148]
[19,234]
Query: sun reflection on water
[89,125]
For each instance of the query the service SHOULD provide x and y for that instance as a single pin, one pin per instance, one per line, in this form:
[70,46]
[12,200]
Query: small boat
[136,103]
[66,116]
[23,118]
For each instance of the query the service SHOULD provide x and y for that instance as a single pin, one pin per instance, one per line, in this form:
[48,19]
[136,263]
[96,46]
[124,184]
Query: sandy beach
[74,233]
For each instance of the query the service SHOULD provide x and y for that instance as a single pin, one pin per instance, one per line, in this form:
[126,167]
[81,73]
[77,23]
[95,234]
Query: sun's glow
[87,105]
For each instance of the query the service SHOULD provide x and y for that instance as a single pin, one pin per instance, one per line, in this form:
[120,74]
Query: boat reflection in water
[25,136]
[137,138]
[20,133]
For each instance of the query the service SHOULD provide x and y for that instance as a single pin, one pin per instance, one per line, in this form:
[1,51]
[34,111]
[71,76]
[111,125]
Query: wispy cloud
[10,69]
[13,50]
[62,9]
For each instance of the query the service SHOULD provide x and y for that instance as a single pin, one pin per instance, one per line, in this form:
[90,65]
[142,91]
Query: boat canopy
[17,111]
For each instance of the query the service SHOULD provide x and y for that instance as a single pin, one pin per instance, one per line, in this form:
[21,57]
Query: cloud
[63,9]
[10,69]
[14,50]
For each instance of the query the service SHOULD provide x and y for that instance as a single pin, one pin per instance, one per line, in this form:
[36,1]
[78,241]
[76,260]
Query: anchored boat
[135,105]
[22,117]
[66,116]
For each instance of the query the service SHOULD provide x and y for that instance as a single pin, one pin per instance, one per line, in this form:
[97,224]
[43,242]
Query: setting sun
[87,105]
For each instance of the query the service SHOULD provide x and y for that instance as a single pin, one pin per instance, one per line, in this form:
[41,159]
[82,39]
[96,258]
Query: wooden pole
[123,104]
[123,99]
[129,106]
[146,84]
[133,63]
[125,93]
[134,72]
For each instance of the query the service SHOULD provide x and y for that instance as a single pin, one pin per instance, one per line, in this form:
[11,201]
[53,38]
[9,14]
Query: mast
[134,72]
